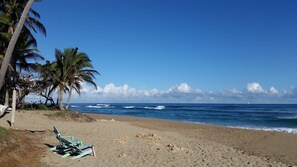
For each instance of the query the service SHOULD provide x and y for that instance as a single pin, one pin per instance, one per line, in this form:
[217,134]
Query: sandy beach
[129,141]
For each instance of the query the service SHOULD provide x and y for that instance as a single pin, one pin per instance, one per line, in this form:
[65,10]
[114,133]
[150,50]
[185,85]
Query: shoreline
[266,129]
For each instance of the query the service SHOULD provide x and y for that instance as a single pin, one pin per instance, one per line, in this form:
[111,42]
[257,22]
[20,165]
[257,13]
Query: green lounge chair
[71,146]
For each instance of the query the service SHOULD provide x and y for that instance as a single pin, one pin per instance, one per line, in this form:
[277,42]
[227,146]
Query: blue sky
[207,48]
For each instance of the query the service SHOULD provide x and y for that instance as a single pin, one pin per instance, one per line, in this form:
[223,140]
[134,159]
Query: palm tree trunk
[61,97]
[13,41]
[69,97]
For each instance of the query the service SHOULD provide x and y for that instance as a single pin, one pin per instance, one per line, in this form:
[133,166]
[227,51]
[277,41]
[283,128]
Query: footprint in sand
[122,140]
[148,136]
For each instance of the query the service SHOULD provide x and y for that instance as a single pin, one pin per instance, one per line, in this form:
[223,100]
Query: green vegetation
[63,114]
[25,49]
[36,106]
[63,75]
[4,134]
[70,69]
[71,115]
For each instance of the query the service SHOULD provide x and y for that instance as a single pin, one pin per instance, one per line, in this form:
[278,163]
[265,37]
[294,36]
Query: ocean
[268,117]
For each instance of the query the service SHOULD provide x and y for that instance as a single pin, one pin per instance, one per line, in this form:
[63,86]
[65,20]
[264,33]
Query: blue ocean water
[270,117]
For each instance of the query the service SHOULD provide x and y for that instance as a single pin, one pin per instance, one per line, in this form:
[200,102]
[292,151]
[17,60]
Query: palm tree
[73,68]
[4,35]
[13,41]
[13,11]
[82,72]
[25,50]
[64,66]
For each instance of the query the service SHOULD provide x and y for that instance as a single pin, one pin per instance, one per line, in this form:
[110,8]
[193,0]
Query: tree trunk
[48,97]
[6,103]
[21,96]
[13,41]
[45,92]
[61,91]
[69,97]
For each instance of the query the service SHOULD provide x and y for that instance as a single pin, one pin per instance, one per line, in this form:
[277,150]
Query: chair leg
[93,150]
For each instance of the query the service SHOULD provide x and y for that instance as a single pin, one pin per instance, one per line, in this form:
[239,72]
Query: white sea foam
[129,107]
[160,107]
[74,106]
[150,108]
[103,105]
[284,130]
[288,117]
[94,106]
[155,108]
[100,106]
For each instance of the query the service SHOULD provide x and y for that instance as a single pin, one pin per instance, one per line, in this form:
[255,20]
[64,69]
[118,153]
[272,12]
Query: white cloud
[291,93]
[272,90]
[184,88]
[182,93]
[232,93]
[254,87]
[119,91]
[84,89]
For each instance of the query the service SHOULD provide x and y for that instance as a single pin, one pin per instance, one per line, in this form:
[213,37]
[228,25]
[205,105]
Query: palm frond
[35,25]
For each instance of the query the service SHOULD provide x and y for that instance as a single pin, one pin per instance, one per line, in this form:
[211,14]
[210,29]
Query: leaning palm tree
[30,24]
[12,10]
[82,72]
[13,41]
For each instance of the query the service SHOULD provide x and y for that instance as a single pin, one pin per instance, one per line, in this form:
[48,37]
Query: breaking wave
[288,117]
[284,130]
[155,108]
[100,106]
[129,107]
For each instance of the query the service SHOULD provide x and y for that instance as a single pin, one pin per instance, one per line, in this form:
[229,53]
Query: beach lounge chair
[69,146]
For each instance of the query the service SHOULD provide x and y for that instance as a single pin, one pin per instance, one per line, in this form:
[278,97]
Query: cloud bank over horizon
[184,93]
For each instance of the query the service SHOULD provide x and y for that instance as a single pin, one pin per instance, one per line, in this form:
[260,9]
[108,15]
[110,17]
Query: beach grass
[70,115]
[61,114]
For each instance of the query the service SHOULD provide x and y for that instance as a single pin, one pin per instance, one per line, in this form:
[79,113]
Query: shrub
[42,107]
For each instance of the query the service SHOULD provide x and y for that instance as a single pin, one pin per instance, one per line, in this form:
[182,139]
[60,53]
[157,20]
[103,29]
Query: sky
[198,51]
